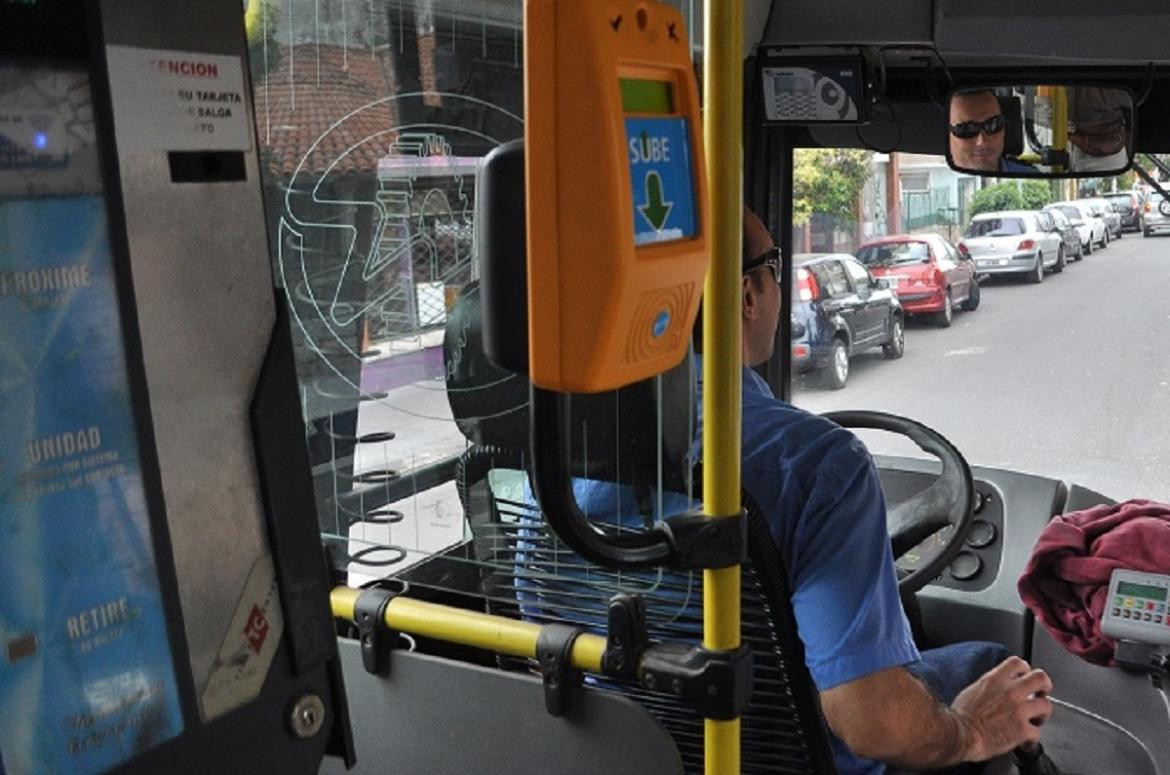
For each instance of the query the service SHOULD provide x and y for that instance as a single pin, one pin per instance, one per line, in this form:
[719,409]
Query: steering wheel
[949,500]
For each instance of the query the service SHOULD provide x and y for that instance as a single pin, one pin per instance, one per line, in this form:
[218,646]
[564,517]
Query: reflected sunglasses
[966,130]
[769,258]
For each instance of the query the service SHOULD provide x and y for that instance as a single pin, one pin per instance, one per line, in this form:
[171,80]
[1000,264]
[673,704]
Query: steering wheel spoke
[912,522]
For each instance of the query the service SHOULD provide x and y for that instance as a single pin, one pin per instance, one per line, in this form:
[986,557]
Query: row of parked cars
[843,304]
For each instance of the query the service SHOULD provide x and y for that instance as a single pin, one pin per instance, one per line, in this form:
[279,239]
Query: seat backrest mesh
[527,571]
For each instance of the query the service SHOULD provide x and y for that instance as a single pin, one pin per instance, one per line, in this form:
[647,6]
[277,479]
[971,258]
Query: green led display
[1147,591]
[644,96]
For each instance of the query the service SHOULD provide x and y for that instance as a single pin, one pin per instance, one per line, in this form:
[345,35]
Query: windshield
[1023,375]
[996,227]
[376,117]
[1122,200]
[894,253]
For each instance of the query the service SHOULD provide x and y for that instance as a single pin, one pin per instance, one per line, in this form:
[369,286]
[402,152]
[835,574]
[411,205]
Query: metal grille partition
[526,571]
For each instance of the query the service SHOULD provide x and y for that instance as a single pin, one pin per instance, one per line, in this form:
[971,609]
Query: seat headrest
[615,434]
[1013,139]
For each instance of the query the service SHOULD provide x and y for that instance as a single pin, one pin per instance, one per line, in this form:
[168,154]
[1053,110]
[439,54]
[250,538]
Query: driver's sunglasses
[967,130]
[769,258]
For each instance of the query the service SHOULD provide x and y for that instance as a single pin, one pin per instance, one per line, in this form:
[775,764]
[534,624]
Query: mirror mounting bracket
[1147,86]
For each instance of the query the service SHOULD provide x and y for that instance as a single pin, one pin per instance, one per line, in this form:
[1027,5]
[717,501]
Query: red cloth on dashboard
[1067,579]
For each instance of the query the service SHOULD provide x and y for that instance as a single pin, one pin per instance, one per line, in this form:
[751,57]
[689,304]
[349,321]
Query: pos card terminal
[1138,607]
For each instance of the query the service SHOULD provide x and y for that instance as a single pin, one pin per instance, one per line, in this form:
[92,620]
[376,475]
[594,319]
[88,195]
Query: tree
[828,180]
[1036,194]
[261,18]
[1002,196]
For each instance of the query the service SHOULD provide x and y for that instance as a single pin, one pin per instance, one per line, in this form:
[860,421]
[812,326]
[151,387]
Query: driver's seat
[525,570]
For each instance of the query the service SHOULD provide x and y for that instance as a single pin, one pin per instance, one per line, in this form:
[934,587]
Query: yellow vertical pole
[722,351]
[1059,121]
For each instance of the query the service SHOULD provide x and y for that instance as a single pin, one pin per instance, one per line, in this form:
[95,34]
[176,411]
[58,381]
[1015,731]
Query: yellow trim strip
[468,628]
[722,348]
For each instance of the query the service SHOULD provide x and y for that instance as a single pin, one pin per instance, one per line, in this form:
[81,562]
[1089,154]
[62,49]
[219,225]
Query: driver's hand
[1003,709]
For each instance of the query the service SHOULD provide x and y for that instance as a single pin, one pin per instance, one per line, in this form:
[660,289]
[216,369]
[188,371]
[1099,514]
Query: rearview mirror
[1041,131]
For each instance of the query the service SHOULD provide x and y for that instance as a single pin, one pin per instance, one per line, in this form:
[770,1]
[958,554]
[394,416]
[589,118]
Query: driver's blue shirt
[819,491]
[1011,165]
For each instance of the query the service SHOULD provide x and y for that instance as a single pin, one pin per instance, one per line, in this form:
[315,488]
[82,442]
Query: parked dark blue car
[838,310]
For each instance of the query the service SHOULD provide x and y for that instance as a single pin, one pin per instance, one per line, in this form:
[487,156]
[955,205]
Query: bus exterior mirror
[1040,130]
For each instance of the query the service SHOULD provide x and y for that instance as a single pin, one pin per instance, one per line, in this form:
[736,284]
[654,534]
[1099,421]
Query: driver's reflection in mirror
[978,127]
[977,135]
[1098,129]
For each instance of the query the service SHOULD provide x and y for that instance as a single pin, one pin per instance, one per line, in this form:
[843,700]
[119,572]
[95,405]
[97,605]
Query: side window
[832,276]
[952,252]
[859,275]
[943,253]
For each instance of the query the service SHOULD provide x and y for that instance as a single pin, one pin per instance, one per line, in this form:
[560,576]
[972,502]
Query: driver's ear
[749,299]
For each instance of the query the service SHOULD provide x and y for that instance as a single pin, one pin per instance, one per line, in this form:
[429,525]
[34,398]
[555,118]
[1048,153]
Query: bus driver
[885,703]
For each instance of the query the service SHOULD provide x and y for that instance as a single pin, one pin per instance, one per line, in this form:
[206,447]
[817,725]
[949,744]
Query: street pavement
[1068,379]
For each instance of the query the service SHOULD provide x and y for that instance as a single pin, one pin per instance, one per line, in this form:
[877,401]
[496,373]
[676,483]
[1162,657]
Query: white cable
[1103,720]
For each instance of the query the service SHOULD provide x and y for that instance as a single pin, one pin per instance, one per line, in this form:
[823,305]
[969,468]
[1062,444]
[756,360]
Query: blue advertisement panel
[86,673]
[661,179]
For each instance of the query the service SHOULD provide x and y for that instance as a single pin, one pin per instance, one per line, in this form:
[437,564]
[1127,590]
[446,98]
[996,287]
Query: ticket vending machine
[163,597]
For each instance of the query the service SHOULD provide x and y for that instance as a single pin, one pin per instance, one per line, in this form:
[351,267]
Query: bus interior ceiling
[920,50]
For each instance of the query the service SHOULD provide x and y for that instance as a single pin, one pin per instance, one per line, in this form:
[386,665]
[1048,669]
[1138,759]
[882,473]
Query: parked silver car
[1013,242]
[1089,225]
[1110,214]
[1155,213]
[1073,249]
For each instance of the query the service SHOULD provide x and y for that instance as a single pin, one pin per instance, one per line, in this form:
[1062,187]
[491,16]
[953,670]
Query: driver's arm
[890,716]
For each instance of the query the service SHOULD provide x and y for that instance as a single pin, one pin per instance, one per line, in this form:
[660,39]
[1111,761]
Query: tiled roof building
[314,88]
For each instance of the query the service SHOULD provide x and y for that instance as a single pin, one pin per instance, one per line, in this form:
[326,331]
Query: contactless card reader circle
[661,323]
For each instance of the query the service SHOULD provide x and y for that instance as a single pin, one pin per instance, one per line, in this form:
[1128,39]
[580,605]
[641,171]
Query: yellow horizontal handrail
[468,628]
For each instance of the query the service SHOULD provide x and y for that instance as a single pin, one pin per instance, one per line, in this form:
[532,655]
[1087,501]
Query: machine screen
[645,96]
[88,680]
[1147,591]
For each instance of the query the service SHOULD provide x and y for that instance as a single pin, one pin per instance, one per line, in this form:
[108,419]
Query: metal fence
[923,210]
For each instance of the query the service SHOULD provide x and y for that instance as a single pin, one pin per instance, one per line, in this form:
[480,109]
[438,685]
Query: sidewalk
[411,375]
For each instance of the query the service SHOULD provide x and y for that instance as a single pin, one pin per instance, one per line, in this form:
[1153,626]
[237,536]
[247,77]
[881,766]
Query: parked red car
[928,273]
